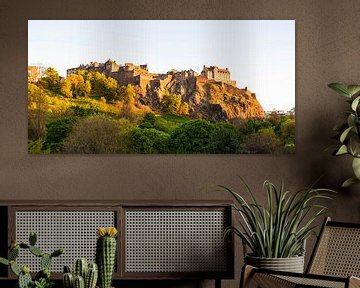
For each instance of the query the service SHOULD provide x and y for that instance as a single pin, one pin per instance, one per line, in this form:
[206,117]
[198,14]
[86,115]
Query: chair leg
[246,274]
[217,283]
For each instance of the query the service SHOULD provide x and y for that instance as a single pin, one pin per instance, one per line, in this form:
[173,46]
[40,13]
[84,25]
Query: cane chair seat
[335,262]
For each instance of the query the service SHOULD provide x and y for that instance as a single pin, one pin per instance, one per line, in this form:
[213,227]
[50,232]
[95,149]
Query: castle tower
[218,74]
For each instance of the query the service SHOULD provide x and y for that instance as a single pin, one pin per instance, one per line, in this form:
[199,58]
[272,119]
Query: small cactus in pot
[106,254]
[85,275]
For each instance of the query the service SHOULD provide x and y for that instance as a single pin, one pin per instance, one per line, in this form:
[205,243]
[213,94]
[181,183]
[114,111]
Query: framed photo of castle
[161,86]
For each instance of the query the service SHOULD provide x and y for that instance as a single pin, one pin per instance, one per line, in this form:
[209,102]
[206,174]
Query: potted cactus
[106,254]
[85,275]
[42,278]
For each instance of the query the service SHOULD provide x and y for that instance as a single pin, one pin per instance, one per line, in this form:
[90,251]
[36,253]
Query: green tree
[98,134]
[37,112]
[57,131]
[103,86]
[287,131]
[262,142]
[126,94]
[192,137]
[225,139]
[149,141]
[170,103]
[148,121]
[51,80]
[75,86]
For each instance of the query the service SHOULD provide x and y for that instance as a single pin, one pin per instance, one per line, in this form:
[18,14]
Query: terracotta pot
[291,264]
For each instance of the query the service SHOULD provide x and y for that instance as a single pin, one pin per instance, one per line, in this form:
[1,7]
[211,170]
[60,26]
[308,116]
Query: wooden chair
[335,262]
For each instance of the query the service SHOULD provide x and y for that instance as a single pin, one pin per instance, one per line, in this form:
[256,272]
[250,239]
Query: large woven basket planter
[291,264]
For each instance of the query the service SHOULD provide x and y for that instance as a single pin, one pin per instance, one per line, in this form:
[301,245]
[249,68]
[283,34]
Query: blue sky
[260,54]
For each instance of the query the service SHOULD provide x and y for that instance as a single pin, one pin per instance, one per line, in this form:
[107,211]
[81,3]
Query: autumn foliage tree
[51,80]
[37,111]
[126,94]
[75,86]
[170,103]
[102,86]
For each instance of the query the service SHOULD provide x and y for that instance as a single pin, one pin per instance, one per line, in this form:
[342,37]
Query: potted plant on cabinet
[276,233]
[349,132]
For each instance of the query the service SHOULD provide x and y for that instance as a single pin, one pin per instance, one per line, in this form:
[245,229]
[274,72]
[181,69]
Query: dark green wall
[327,50]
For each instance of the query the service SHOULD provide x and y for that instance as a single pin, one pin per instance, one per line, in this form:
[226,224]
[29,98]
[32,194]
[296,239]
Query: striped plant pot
[291,264]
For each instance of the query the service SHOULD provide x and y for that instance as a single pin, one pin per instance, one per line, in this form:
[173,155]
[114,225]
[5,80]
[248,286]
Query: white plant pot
[291,264]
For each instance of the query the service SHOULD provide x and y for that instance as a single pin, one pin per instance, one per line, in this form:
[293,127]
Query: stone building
[104,68]
[139,74]
[218,74]
[124,74]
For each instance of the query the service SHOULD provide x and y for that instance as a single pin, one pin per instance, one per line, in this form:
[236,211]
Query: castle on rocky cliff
[217,74]
[139,74]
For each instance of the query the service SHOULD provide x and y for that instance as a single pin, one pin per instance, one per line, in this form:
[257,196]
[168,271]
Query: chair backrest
[337,251]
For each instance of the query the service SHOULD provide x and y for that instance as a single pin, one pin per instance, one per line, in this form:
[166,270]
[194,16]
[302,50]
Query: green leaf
[45,261]
[349,182]
[341,89]
[351,120]
[345,134]
[354,145]
[14,268]
[13,253]
[279,228]
[353,89]
[36,251]
[342,150]
[340,127]
[32,238]
[356,167]
[355,103]
[4,261]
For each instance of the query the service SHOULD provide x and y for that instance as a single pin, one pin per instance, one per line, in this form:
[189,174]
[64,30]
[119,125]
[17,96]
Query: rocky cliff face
[206,98]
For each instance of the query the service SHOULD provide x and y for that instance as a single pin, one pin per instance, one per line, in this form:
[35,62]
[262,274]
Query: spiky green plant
[279,229]
[106,254]
[349,132]
[42,278]
[85,274]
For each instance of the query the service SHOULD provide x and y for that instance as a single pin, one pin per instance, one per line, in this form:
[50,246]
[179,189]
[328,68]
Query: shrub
[36,147]
[192,137]
[98,134]
[86,111]
[224,139]
[287,131]
[183,109]
[149,141]
[170,103]
[263,142]
[148,120]
[57,131]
